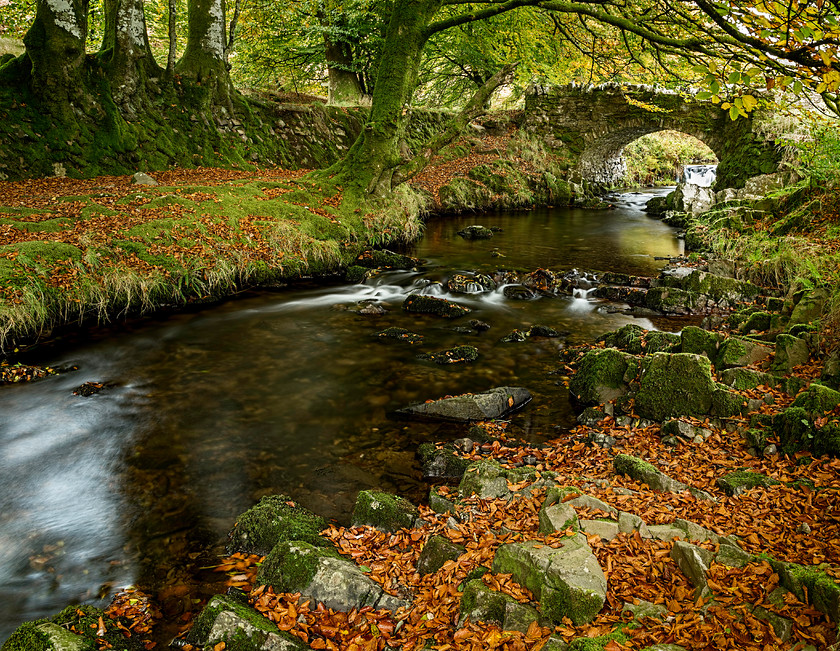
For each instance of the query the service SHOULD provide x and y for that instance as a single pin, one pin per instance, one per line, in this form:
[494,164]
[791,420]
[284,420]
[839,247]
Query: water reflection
[277,392]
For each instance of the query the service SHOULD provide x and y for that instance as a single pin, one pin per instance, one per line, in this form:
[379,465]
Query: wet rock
[383,511]
[421,304]
[356,274]
[541,280]
[515,337]
[488,405]
[323,577]
[141,178]
[644,472]
[568,581]
[436,552]
[603,375]
[741,481]
[543,331]
[464,284]
[441,463]
[694,562]
[677,384]
[88,389]
[226,623]
[400,334]
[384,259]
[476,232]
[479,326]
[519,293]
[273,519]
[672,300]
[591,416]
[371,308]
[457,355]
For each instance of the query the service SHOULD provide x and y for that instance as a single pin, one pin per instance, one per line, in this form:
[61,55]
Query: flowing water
[275,392]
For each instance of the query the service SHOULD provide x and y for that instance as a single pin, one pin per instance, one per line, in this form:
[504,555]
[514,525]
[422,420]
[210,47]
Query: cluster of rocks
[662,376]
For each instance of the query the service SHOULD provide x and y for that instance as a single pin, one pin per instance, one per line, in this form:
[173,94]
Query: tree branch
[474,108]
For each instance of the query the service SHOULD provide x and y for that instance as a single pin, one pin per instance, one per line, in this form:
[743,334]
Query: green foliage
[658,158]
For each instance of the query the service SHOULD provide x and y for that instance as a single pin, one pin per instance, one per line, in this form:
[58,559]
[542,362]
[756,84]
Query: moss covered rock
[727,404]
[603,375]
[275,518]
[400,334]
[383,511]
[467,407]
[810,306]
[420,304]
[627,338]
[568,581]
[817,399]
[719,288]
[737,351]
[240,628]
[441,463]
[646,473]
[457,355]
[480,603]
[673,300]
[73,629]
[476,232]
[322,576]
[677,384]
[486,479]
[436,552]
[740,481]
[697,341]
[790,351]
[744,378]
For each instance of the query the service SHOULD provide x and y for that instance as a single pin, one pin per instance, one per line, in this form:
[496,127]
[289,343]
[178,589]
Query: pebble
[804,527]
[770,450]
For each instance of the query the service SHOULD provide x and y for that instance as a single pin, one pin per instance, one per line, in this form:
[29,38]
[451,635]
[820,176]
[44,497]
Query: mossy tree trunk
[344,83]
[126,53]
[55,45]
[371,161]
[204,60]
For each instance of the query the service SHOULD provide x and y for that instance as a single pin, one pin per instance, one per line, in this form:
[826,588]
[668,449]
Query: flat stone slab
[467,407]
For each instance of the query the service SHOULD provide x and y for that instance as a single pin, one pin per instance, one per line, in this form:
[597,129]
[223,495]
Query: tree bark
[204,58]
[55,44]
[130,62]
[345,87]
[173,38]
[371,161]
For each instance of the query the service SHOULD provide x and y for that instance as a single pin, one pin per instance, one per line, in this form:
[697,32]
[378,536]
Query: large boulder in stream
[467,407]
[324,577]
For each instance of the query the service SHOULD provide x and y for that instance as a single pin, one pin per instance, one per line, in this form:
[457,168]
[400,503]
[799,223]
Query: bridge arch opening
[642,155]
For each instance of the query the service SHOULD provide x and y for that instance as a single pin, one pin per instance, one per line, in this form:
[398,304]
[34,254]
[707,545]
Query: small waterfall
[700,175]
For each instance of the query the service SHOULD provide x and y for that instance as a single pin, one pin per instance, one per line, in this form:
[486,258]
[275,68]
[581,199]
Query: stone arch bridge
[590,126]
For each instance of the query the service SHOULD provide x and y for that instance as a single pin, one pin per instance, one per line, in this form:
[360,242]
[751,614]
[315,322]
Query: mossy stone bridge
[590,126]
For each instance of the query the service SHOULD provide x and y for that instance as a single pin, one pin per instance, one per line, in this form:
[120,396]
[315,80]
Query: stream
[286,391]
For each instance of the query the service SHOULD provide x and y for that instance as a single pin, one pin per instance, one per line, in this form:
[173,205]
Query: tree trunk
[344,83]
[476,106]
[204,57]
[130,62]
[375,155]
[173,38]
[55,44]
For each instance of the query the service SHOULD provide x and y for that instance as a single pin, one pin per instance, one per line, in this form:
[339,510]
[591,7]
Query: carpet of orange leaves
[767,520]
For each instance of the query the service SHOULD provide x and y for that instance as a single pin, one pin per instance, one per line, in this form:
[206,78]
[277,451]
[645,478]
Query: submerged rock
[420,304]
[384,259]
[457,355]
[400,334]
[471,406]
[476,232]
